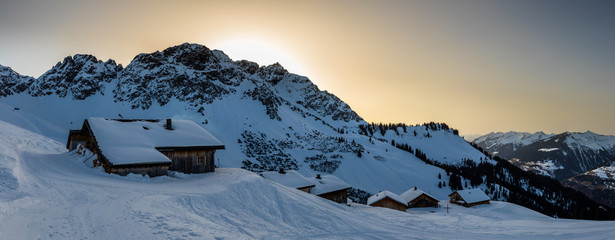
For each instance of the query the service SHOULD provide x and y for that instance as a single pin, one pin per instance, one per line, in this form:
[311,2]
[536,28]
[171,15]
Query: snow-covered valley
[48,193]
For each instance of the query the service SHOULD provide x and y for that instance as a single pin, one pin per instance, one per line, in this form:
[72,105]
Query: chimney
[169,125]
[414,187]
[318,176]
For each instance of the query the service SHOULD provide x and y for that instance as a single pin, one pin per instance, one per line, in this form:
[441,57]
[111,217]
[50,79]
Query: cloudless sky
[480,66]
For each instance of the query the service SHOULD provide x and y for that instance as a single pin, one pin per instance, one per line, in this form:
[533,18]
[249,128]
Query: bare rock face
[196,74]
[79,76]
[12,83]
[188,72]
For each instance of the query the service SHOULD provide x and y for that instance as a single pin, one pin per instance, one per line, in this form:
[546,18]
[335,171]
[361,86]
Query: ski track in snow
[56,196]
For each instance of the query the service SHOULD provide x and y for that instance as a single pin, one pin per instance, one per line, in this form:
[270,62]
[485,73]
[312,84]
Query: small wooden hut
[415,197]
[330,187]
[469,197]
[289,178]
[388,200]
[146,146]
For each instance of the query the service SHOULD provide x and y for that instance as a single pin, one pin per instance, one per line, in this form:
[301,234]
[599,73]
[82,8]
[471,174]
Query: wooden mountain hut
[388,200]
[415,197]
[469,197]
[330,187]
[289,178]
[146,146]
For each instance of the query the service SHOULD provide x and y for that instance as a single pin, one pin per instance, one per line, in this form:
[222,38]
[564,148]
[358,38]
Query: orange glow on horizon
[482,67]
[263,52]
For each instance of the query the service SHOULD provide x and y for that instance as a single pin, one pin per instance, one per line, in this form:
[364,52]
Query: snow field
[61,198]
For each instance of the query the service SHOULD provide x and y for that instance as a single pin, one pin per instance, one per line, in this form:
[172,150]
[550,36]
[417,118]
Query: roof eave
[136,165]
[307,186]
[341,189]
[186,148]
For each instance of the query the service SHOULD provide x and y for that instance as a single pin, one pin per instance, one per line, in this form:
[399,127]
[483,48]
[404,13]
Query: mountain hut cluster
[153,147]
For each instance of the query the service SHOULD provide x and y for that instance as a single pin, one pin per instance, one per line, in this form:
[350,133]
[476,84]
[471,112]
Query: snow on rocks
[548,149]
[606,172]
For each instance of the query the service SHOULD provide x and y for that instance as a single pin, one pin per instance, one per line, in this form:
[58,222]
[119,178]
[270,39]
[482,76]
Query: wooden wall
[336,196]
[423,201]
[390,203]
[76,138]
[150,171]
[191,161]
[306,189]
[477,203]
[455,198]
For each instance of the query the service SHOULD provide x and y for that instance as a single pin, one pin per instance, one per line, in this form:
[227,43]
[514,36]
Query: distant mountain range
[268,119]
[580,160]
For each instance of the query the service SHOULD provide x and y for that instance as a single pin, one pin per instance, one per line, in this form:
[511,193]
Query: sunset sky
[479,66]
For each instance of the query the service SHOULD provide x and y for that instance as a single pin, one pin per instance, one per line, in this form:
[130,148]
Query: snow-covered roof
[290,178]
[383,194]
[136,142]
[473,195]
[412,194]
[327,184]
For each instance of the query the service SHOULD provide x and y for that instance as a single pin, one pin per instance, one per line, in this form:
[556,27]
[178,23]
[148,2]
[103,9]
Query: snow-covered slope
[13,143]
[606,173]
[556,155]
[598,184]
[437,141]
[578,160]
[266,117]
[514,138]
[54,195]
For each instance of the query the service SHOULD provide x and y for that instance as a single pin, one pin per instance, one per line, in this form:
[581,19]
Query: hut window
[200,159]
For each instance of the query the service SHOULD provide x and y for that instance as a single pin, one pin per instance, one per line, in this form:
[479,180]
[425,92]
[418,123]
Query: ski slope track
[53,194]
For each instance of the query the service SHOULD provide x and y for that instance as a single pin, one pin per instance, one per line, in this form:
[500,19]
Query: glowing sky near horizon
[479,66]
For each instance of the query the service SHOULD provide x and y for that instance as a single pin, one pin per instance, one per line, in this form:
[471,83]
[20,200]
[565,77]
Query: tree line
[537,192]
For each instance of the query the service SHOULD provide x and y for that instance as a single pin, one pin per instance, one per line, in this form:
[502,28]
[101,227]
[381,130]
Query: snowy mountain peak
[81,76]
[591,140]
[514,138]
[12,82]
[193,73]
[567,153]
